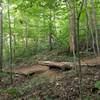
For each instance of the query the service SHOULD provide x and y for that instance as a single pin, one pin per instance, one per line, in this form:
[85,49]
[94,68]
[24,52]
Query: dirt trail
[37,69]
[92,61]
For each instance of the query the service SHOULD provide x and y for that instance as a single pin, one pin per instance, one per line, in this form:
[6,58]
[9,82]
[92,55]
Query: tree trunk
[50,32]
[1,37]
[92,32]
[94,26]
[93,39]
[10,44]
[73,40]
[14,44]
[26,35]
[72,21]
[87,27]
[14,48]
[78,50]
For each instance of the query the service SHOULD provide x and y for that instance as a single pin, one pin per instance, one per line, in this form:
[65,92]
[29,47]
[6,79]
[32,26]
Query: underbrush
[14,92]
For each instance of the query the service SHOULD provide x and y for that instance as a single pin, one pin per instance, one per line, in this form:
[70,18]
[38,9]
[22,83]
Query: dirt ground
[59,85]
[67,87]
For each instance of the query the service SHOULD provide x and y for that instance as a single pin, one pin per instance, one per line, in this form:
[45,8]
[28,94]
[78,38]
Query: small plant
[97,85]
[13,91]
[48,98]
[87,98]
[3,74]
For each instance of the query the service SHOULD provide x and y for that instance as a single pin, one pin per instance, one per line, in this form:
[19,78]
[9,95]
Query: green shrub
[13,91]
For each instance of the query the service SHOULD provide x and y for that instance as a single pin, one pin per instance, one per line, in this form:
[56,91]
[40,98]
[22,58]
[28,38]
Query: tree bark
[50,32]
[78,50]
[87,27]
[94,26]
[26,35]
[72,22]
[1,37]
[10,44]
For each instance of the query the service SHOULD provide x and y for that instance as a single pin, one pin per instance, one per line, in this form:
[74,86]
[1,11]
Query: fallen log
[60,65]
[65,65]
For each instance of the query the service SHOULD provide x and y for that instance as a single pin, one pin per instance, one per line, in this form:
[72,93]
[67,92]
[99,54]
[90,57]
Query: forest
[49,49]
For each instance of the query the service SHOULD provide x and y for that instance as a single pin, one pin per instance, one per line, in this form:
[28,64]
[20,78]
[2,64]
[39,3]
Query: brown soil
[28,70]
[92,61]
[65,86]
[40,69]
[53,74]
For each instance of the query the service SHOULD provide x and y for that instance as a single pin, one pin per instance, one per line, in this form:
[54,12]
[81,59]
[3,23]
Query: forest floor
[52,84]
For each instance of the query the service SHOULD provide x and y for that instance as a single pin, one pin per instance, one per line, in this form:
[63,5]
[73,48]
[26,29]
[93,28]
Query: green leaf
[97,84]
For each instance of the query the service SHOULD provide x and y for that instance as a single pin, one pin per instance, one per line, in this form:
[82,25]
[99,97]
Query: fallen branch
[65,65]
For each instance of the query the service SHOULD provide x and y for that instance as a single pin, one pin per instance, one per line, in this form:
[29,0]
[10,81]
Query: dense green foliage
[32,21]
